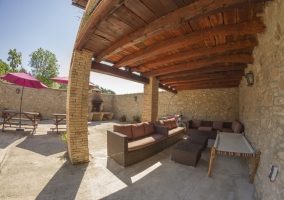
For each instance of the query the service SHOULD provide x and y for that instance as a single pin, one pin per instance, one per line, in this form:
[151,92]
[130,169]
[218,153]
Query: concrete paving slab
[37,167]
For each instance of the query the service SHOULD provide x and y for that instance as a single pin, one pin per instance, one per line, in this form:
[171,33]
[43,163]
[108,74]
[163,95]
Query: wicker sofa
[131,143]
[210,128]
[175,133]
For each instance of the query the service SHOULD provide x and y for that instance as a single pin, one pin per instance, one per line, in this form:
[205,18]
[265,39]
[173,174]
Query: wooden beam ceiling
[236,58]
[197,53]
[208,69]
[193,11]
[252,27]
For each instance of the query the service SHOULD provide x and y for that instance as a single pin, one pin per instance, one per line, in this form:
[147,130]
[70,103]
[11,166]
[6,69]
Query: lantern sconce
[135,98]
[250,78]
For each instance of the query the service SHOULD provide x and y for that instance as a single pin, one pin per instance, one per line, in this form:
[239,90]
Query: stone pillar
[150,100]
[77,106]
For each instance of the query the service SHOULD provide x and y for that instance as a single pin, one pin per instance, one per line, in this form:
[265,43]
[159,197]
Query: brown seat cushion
[145,141]
[218,125]
[203,128]
[138,130]
[173,123]
[237,128]
[149,128]
[167,123]
[234,124]
[196,123]
[175,131]
[124,129]
[227,130]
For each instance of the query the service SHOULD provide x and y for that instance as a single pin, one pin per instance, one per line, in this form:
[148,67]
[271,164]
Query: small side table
[186,153]
[198,139]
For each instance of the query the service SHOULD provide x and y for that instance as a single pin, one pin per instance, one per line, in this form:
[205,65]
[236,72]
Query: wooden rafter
[112,71]
[252,27]
[202,77]
[235,58]
[193,11]
[208,69]
[108,70]
[231,85]
[209,81]
[196,53]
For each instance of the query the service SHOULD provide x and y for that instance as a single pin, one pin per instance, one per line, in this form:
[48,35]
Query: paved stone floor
[37,167]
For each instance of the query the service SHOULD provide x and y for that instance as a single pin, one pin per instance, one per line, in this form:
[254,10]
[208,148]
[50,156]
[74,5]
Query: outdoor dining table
[15,117]
[59,119]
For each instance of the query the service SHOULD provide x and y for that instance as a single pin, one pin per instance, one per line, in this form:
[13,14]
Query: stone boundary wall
[262,105]
[217,104]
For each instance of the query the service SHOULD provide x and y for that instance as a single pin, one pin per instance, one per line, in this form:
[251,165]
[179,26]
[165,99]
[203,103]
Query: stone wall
[262,105]
[46,101]
[217,104]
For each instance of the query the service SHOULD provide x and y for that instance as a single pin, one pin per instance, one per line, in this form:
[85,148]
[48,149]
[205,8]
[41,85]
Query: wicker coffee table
[198,139]
[186,153]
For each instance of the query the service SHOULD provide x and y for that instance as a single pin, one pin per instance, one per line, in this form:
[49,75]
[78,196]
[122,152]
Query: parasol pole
[21,129]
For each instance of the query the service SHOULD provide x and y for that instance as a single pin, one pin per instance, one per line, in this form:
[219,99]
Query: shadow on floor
[65,183]
[8,137]
[44,144]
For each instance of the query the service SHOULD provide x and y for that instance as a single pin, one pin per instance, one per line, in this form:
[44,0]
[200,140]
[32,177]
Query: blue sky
[27,25]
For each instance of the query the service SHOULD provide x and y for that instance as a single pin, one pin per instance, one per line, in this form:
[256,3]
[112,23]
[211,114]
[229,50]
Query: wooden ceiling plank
[207,87]
[239,58]
[210,69]
[101,12]
[197,9]
[141,10]
[207,82]
[180,3]
[129,17]
[197,52]
[156,7]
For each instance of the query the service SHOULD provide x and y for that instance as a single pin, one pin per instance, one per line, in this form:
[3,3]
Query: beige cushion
[234,124]
[148,127]
[218,125]
[124,129]
[145,141]
[138,130]
[175,131]
[203,128]
[196,123]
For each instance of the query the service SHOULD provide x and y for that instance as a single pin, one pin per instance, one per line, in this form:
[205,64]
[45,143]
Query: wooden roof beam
[166,88]
[209,84]
[193,11]
[234,58]
[112,71]
[244,28]
[207,87]
[190,78]
[208,69]
[196,53]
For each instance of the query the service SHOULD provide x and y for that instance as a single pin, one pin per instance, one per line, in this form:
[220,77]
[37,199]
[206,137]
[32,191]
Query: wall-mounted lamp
[135,98]
[250,78]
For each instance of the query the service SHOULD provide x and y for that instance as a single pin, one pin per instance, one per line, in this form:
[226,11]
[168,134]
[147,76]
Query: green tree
[15,59]
[4,68]
[104,90]
[44,66]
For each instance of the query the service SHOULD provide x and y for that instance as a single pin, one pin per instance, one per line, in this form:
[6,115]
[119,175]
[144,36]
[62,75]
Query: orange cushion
[138,130]
[149,128]
[173,123]
[167,123]
[124,129]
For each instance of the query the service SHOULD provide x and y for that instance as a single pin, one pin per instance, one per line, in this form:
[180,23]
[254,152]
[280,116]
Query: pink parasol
[64,80]
[25,80]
